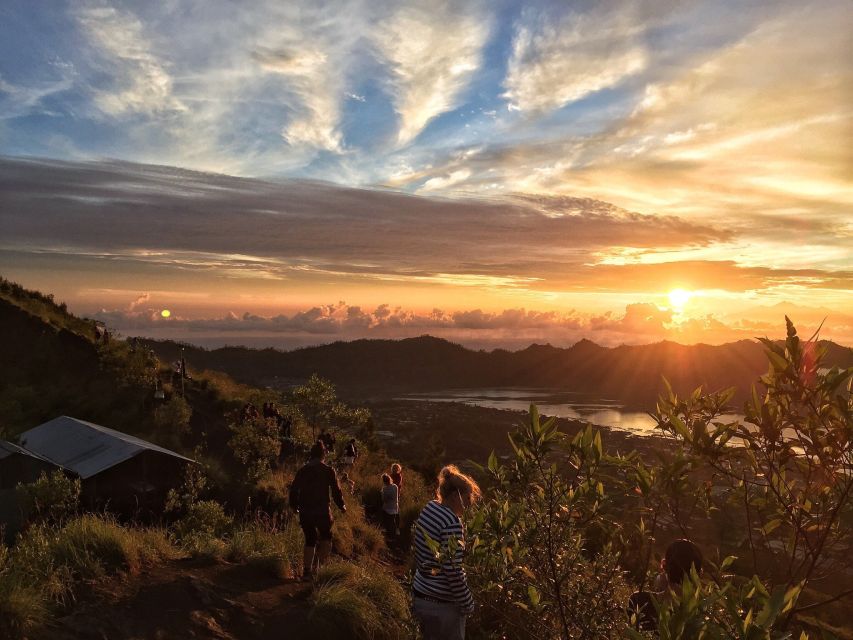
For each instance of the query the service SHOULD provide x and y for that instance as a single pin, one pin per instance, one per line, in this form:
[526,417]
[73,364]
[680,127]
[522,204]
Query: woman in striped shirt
[441,597]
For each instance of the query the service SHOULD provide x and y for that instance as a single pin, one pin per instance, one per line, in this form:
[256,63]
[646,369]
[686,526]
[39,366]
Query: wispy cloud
[433,51]
[141,83]
[559,59]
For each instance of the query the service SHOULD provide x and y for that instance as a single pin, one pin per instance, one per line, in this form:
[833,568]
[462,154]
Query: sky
[497,173]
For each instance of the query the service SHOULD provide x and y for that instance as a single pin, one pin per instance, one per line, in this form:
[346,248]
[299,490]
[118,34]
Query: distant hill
[52,364]
[630,374]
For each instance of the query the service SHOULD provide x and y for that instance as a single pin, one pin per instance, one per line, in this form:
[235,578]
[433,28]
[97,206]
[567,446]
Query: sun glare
[678,298]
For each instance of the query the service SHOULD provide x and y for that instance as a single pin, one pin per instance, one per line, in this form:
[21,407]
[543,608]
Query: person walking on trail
[390,506]
[397,475]
[441,598]
[350,453]
[309,496]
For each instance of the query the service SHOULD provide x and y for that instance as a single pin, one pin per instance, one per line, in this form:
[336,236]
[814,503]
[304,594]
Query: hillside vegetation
[570,525]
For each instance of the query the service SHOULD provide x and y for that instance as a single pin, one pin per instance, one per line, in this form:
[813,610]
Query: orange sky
[494,173]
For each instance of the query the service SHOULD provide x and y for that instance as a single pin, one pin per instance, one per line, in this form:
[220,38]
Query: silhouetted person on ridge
[309,496]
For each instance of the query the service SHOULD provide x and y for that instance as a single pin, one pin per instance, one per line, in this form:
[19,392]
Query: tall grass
[47,565]
[269,543]
[360,602]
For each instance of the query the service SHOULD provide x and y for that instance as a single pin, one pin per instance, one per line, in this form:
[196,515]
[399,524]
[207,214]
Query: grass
[266,543]
[46,567]
[359,602]
[354,537]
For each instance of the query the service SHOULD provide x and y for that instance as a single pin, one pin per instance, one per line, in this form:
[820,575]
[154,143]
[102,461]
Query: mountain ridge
[632,374]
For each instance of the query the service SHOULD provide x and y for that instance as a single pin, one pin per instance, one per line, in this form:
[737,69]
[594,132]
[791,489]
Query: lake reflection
[562,404]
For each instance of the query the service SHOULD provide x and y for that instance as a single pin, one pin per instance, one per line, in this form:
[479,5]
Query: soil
[205,599]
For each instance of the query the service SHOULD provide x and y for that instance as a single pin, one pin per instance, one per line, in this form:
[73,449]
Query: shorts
[316,526]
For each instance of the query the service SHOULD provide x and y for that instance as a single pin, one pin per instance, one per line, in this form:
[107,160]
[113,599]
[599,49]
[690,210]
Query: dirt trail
[188,599]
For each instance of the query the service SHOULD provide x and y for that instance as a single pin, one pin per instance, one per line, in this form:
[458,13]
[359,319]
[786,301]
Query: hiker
[348,483]
[397,475]
[350,453]
[441,597]
[321,438]
[681,556]
[390,506]
[309,496]
[330,441]
[286,426]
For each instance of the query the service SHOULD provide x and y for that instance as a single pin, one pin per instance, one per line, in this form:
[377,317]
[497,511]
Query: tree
[256,443]
[316,400]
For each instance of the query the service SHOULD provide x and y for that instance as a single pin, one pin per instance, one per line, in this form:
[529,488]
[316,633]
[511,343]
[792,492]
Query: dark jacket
[309,492]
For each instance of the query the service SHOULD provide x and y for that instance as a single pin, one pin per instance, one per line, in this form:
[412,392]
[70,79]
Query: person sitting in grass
[309,497]
[441,597]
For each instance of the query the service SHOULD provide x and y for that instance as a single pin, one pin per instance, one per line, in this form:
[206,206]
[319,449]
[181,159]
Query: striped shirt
[441,577]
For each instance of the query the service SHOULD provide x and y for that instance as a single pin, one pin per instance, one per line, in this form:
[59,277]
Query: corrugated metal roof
[85,448]
[8,448]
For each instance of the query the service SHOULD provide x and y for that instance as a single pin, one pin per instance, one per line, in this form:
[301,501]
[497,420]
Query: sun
[678,298]
[165,313]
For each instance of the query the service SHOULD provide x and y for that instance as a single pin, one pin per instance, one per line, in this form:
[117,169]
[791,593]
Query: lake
[563,404]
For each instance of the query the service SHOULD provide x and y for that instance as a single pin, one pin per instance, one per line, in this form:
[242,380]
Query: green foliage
[786,469]
[52,498]
[529,555]
[316,400]
[203,521]
[172,418]
[256,443]
[44,307]
[318,403]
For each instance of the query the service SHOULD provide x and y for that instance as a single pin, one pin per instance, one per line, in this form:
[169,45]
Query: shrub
[528,549]
[52,498]
[204,520]
[172,419]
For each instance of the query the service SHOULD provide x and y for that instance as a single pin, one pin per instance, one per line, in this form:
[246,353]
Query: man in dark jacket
[309,496]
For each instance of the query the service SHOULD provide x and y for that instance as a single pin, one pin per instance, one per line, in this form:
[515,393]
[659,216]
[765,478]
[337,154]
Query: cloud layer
[461,156]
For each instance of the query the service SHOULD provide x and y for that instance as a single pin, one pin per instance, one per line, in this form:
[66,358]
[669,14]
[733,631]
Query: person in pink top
[397,475]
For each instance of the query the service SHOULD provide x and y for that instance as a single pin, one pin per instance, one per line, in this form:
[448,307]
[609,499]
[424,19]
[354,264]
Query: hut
[115,468]
[17,465]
